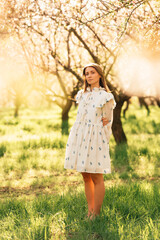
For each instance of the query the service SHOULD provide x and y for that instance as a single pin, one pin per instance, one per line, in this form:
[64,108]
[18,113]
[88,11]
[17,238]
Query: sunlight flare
[138,71]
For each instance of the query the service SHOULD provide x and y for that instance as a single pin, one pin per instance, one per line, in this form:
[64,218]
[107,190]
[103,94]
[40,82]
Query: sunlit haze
[138,71]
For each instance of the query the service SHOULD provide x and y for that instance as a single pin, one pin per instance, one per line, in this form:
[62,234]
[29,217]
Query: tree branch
[85,45]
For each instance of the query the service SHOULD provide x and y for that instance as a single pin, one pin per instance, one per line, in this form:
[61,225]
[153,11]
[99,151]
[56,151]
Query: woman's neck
[93,86]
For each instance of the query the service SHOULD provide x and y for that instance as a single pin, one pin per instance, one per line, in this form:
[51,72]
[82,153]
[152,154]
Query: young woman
[87,149]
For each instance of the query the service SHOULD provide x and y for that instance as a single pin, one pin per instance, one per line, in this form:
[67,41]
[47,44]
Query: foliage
[63,40]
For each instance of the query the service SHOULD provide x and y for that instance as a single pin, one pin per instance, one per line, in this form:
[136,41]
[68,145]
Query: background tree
[62,36]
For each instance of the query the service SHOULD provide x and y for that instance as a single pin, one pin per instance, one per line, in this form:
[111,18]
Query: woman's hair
[102,82]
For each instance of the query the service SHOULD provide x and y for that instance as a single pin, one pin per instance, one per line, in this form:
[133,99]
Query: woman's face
[92,76]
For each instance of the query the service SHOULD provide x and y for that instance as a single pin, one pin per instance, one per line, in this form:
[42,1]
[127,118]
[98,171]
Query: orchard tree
[63,36]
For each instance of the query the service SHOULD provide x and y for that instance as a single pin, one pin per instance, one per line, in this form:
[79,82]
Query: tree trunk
[117,127]
[65,117]
[17,104]
[16,111]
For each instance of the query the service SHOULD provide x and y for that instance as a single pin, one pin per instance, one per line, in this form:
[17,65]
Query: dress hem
[107,172]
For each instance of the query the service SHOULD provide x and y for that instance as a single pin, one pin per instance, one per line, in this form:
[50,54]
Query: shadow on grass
[120,160]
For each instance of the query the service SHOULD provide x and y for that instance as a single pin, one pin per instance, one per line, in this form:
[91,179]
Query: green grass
[39,199]
[129,212]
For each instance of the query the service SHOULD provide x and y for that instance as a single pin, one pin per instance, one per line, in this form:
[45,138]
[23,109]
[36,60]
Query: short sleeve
[79,95]
[104,97]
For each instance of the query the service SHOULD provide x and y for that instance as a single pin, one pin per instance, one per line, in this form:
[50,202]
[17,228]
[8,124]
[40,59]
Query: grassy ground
[41,200]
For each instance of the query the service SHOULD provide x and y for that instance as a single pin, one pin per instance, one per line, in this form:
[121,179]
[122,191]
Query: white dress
[87,148]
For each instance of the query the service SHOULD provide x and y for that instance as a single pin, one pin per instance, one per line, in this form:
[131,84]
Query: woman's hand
[105,121]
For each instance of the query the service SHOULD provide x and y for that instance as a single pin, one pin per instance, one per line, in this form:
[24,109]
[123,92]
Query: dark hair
[102,82]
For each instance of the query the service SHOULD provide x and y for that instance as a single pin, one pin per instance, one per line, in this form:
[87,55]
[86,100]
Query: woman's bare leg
[89,191]
[99,191]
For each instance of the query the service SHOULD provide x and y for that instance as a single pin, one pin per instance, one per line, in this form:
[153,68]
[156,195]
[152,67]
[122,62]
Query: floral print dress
[87,148]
